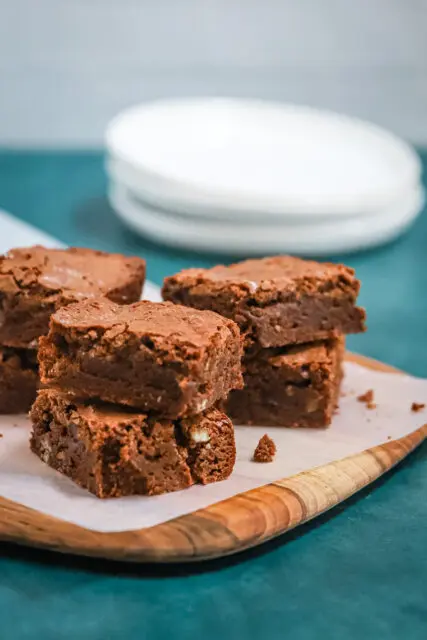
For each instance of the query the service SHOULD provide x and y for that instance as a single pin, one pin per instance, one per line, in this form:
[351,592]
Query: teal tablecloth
[359,572]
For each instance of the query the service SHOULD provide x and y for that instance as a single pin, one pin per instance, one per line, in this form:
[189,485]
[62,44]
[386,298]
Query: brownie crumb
[367,397]
[417,406]
[1,435]
[371,405]
[265,450]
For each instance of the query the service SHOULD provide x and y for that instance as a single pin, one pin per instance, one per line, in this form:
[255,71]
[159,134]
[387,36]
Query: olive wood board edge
[230,526]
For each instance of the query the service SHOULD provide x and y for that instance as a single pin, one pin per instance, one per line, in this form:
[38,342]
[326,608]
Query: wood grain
[230,526]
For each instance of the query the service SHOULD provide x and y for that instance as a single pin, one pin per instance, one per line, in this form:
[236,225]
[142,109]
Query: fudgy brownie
[114,452]
[157,357]
[18,379]
[276,301]
[36,281]
[296,386]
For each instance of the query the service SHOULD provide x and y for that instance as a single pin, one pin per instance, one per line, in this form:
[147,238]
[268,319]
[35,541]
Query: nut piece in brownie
[114,452]
[276,301]
[296,386]
[36,281]
[18,379]
[157,357]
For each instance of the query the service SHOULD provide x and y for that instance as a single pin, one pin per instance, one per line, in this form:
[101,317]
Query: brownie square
[157,357]
[113,452]
[275,301]
[18,379]
[35,281]
[296,386]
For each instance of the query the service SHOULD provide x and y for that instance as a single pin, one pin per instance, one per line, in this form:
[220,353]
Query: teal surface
[358,572]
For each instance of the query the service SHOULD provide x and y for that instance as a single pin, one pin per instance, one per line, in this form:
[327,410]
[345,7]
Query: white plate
[120,172]
[207,155]
[320,238]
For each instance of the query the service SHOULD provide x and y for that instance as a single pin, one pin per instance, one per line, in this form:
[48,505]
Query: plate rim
[162,188]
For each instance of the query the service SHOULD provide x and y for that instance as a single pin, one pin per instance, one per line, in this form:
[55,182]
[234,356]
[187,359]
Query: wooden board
[227,527]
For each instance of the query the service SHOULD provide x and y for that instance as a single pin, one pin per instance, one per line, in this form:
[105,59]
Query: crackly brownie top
[107,416]
[299,356]
[162,324]
[252,278]
[81,272]
[320,352]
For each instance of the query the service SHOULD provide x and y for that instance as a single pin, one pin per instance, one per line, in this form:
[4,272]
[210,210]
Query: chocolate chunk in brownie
[289,387]
[34,282]
[265,450]
[18,379]
[276,301]
[115,452]
[157,357]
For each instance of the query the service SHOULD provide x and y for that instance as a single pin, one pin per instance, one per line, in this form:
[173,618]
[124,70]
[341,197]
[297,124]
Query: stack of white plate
[247,177]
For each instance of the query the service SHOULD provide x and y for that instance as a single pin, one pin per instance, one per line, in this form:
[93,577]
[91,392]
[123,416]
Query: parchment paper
[25,479]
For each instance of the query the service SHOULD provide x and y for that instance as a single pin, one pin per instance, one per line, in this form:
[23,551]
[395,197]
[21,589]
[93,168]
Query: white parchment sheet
[25,479]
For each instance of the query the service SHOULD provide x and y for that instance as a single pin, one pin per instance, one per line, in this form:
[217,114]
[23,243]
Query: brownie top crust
[275,301]
[155,356]
[98,416]
[303,363]
[75,273]
[269,279]
[103,416]
[164,323]
[299,355]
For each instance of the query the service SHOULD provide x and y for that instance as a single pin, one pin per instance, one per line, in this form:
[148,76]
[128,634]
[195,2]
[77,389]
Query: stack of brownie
[131,393]
[34,283]
[293,315]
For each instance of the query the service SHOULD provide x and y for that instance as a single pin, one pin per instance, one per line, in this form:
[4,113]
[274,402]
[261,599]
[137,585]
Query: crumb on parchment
[265,450]
[417,406]
[367,397]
